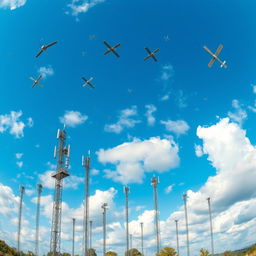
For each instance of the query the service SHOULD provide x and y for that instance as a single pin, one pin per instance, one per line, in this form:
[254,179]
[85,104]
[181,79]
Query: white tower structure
[39,191]
[186,219]
[126,191]
[104,207]
[211,229]
[22,191]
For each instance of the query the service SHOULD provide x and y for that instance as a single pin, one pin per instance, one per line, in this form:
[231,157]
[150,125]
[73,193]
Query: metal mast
[61,173]
[131,240]
[104,207]
[22,190]
[90,233]
[210,216]
[186,218]
[39,191]
[142,247]
[73,237]
[154,183]
[177,237]
[86,164]
[126,191]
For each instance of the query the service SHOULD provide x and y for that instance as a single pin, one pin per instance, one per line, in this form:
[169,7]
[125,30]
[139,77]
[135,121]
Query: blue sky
[191,125]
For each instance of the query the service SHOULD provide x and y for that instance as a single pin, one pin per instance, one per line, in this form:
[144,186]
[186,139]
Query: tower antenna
[142,247]
[186,219]
[91,234]
[73,237]
[61,173]
[211,229]
[22,190]
[104,207]
[177,238]
[126,191]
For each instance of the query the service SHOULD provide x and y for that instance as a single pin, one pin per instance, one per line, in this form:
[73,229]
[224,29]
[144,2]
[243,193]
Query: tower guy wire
[210,218]
[86,164]
[177,237]
[186,219]
[104,207]
[154,183]
[63,152]
[126,191]
[39,191]
[22,191]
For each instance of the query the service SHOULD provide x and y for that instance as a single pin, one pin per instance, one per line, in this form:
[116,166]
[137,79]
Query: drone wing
[39,78]
[107,44]
[208,50]
[117,55]
[51,44]
[116,46]
[85,79]
[91,85]
[218,50]
[154,58]
[211,62]
[31,78]
[149,52]
[39,53]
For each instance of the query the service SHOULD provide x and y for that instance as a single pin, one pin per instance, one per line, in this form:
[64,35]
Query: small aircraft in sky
[215,57]
[45,47]
[36,81]
[111,49]
[151,54]
[88,82]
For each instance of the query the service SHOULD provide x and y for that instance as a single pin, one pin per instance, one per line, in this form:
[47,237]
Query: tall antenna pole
[86,164]
[73,237]
[126,191]
[186,218]
[177,237]
[22,190]
[154,183]
[142,247]
[104,207]
[131,240]
[90,233]
[39,191]
[210,216]
[61,173]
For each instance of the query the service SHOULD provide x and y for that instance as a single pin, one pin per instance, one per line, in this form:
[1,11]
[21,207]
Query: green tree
[92,252]
[133,252]
[110,253]
[204,252]
[227,253]
[167,251]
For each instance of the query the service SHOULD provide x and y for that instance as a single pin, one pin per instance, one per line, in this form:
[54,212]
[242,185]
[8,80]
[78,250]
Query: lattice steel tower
[86,164]
[154,183]
[104,207]
[126,191]
[63,153]
[186,219]
[22,190]
[39,191]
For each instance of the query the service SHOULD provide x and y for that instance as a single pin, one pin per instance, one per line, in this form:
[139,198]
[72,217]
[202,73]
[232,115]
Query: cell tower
[142,238]
[73,237]
[154,183]
[186,219]
[177,237]
[126,191]
[86,165]
[131,240]
[104,207]
[39,191]
[211,229]
[22,190]
[90,233]
[61,173]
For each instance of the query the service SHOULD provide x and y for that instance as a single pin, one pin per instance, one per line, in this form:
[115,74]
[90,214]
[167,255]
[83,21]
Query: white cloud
[139,208]
[199,150]
[239,114]
[73,118]
[18,155]
[30,122]
[12,4]
[124,120]
[46,71]
[12,123]
[133,159]
[178,127]
[168,190]
[82,6]
[149,114]
[167,72]
[254,88]
[95,172]
[19,163]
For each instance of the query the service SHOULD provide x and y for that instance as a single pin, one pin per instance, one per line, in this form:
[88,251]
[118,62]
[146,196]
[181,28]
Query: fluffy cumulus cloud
[46,71]
[168,190]
[125,120]
[238,114]
[73,118]
[149,114]
[82,6]
[133,159]
[167,73]
[12,123]
[12,4]
[178,127]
